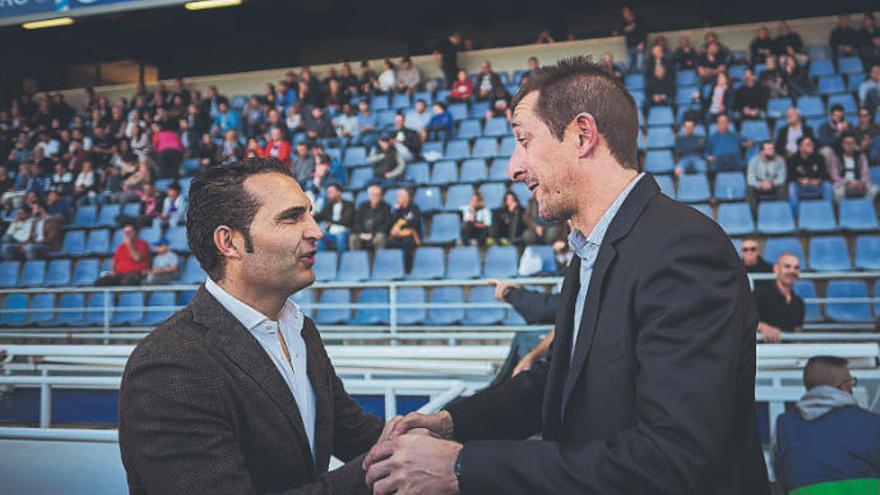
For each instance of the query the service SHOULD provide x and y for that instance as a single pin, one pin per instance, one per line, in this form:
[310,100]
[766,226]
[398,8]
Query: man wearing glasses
[751,256]
[779,308]
[827,443]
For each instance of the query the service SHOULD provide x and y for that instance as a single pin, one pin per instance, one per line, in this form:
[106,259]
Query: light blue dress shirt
[587,249]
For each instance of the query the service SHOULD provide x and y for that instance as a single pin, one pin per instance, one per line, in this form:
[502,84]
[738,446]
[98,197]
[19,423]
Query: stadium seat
[400,101]
[390,197]
[806,290]
[547,256]
[464,262]
[107,215]
[756,130]
[432,148]
[458,196]
[151,235]
[72,309]
[193,272]
[325,266]
[659,162]
[818,51]
[816,216]
[501,262]
[94,313]
[522,193]
[829,85]
[159,299]
[666,185]
[98,243]
[388,265]
[379,102]
[857,214]
[479,109]
[508,143]
[498,169]
[810,106]
[177,239]
[424,95]
[448,315]
[829,254]
[853,82]
[332,316]
[850,65]
[86,217]
[74,244]
[418,173]
[17,303]
[483,316]
[493,194]
[411,295]
[661,116]
[118,238]
[496,127]
[86,272]
[372,316]
[485,147]
[9,273]
[130,309]
[774,217]
[59,272]
[473,171]
[848,312]
[820,68]
[694,188]
[705,209]
[778,245]
[457,149]
[354,266]
[639,96]
[459,111]
[444,172]
[868,252]
[355,156]
[428,263]
[132,209]
[445,229]
[737,71]
[41,310]
[847,101]
[469,129]
[428,199]
[360,177]
[776,107]
[635,81]
[736,218]
[33,274]
[687,77]
[661,138]
[730,186]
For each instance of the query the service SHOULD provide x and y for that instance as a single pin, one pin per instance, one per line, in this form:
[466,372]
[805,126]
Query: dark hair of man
[837,107]
[577,85]
[175,187]
[217,197]
[752,238]
[825,370]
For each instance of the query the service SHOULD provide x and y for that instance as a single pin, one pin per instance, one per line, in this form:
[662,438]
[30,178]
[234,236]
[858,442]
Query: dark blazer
[659,398]
[346,219]
[534,306]
[203,410]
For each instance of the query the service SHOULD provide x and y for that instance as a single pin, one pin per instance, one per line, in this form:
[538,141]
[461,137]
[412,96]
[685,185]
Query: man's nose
[516,168]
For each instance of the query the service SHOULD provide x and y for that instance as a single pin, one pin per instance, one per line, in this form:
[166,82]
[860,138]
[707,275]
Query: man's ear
[588,135]
[228,242]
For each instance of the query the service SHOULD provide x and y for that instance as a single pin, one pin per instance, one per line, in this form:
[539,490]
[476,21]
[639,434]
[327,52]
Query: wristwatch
[506,292]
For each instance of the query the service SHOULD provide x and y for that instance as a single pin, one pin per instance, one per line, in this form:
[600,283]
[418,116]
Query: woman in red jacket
[463,88]
[278,147]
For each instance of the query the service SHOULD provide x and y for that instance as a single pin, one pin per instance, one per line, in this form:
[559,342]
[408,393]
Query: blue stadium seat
[388,265]
[687,78]
[74,244]
[379,102]
[33,274]
[548,257]
[107,215]
[428,199]
[816,216]
[457,149]
[41,310]
[332,316]
[118,238]
[639,96]
[821,68]
[778,245]
[659,162]
[736,218]
[496,127]
[428,263]
[390,197]
[705,209]
[354,266]
[177,239]
[432,147]
[424,95]
[360,177]
[444,172]
[485,147]
[411,295]
[806,290]
[829,254]
[853,82]
[493,194]
[501,262]
[666,185]
[479,108]
[774,217]
[9,273]
[737,71]
[868,252]
[848,312]
[417,172]
[483,316]
[131,209]
[325,266]
[522,193]
[458,196]
[86,217]
[810,106]
[400,101]
[850,65]
[508,143]
[831,84]
[635,81]
[304,299]
[129,309]
[193,272]
[450,315]
[818,51]
[661,116]
[107,264]
[686,94]
[73,305]
[464,262]
[14,302]
[86,272]
[445,229]
[661,138]
[756,130]
[459,111]
[847,101]
[94,312]
[98,243]
[469,129]
[473,170]
[59,273]
[730,186]
[372,316]
[498,170]
[159,299]
[776,107]
[151,235]
[355,156]
[694,188]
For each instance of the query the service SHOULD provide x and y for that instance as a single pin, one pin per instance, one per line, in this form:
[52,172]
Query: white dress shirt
[264,330]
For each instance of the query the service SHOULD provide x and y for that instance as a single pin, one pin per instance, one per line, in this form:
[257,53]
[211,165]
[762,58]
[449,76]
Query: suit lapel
[320,380]
[559,361]
[237,344]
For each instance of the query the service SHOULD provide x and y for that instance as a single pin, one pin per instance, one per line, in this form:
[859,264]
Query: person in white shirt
[417,118]
[475,221]
[165,264]
[173,207]
[18,233]
[387,80]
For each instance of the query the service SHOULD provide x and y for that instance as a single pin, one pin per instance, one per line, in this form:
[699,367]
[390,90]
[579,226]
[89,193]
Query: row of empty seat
[776,217]
[76,273]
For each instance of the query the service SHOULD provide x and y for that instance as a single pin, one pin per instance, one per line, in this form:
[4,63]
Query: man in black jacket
[651,380]
[336,219]
[371,222]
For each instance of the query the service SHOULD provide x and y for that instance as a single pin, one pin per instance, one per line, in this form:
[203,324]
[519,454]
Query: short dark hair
[752,238]
[217,197]
[837,107]
[824,370]
[576,85]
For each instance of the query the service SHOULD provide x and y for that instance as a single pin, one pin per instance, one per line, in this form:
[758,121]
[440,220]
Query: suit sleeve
[535,307]
[691,310]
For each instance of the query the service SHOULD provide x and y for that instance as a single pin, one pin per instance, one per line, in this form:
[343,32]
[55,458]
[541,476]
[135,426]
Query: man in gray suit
[235,394]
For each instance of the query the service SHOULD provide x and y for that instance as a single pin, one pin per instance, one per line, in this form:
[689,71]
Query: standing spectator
[720,100]
[871,53]
[635,38]
[753,262]
[475,221]
[787,42]
[131,260]
[371,222]
[685,57]
[336,219]
[169,151]
[789,135]
[408,77]
[303,163]
[865,33]
[417,119]
[750,99]
[761,46]
[658,58]
[446,55]
[277,147]
[660,86]
[487,82]
[189,138]
[766,176]
[173,207]
[711,63]
[406,227]
[807,174]
[165,265]
[440,126]
[688,148]
[607,63]
[844,39]
[867,132]
[17,235]
[827,443]
[848,171]
[388,163]
[779,308]
[463,88]
[507,223]
[724,147]
[831,131]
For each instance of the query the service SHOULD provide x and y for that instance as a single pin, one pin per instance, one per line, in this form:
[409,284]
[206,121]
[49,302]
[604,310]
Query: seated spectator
[189,138]
[230,152]
[720,99]
[797,80]
[17,235]
[111,185]
[62,180]
[387,80]
[347,127]
[831,131]
[253,116]
[507,222]
[440,126]
[131,260]
[173,207]
[606,62]
[278,147]
[724,147]
[487,82]
[408,77]
[124,158]
[499,103]
[226,119]
[869,84]
[787,42]
[711,63]
[388,163]
[685,57]
[789,135]
[319,126]
[871,53]
[753,262]
[660,86]
[761,46]
[335,172]
[303,163]
[779,308]
[688,148]
[336,96]
[848,170]
[463,88]
[407,141]
[866,132]
[58,206]
[371,222]
[40,181]
[207,152]
[766,176]
[475,221]
[750,99]
[295,120]
[417,119]
[827,442]
[368,125]
[14,197]
[50,146]
[534,65]
[844,39]
[336,219]
[406,227]
[807,174]
[46,235]
[537,230]
[136,181]
[165,265]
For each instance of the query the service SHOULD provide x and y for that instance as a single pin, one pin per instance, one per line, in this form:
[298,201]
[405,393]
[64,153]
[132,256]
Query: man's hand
[413,464]
[440,424]
[525,364]
[771,334]
[499,288]
[766,185]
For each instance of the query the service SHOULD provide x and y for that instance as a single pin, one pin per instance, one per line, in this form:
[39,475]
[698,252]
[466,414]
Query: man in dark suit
[235,394]
[650,385]
[336,218]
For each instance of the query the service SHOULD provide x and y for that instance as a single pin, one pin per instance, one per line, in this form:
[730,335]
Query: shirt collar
[249,317]
[582,244]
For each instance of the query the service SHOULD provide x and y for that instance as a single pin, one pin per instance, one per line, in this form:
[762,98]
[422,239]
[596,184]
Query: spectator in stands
[135,182]
[499,104]
[827,441]
[86,183]
[131,260]
[787,42]
[753,262]
[831,131]
[797,81]
[711,63]
[724,147]
[388,163]
[336,96]
[872,83]
[231,150]
[866,131]
[607,63]
[278,147]
[319,126]
[165,265]
[507,222]
[407,141]
[406,227]
[335,170]
[189,138]
[303,163]
[534,65]
[463,88]
[635,38]
[17,235]
[807,174]
[169,150]
[207,151]
[720,98]
[372,222]
[789,135]
[446,55]
[848,170]
[766,176]
[253,116]
[440,126]
[660,85]
[408,77]
[685,57]
[124,159]
[657,58]
[487,82]
[387,80]
[347,127]
[368,125]
[688,148]
[226,119]
[46,234]
[537,231]
[102,147]
[417,119]
[844,39]
[173,207]
[871,53]
[476,220]
[779,308]
[751,98]
[62,180]
[761,46]
[111,185]
[336,219]
[295,120]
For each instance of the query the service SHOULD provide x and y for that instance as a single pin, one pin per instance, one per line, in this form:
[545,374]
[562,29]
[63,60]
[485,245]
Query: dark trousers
[470,232]
[408,246]
[119,279]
